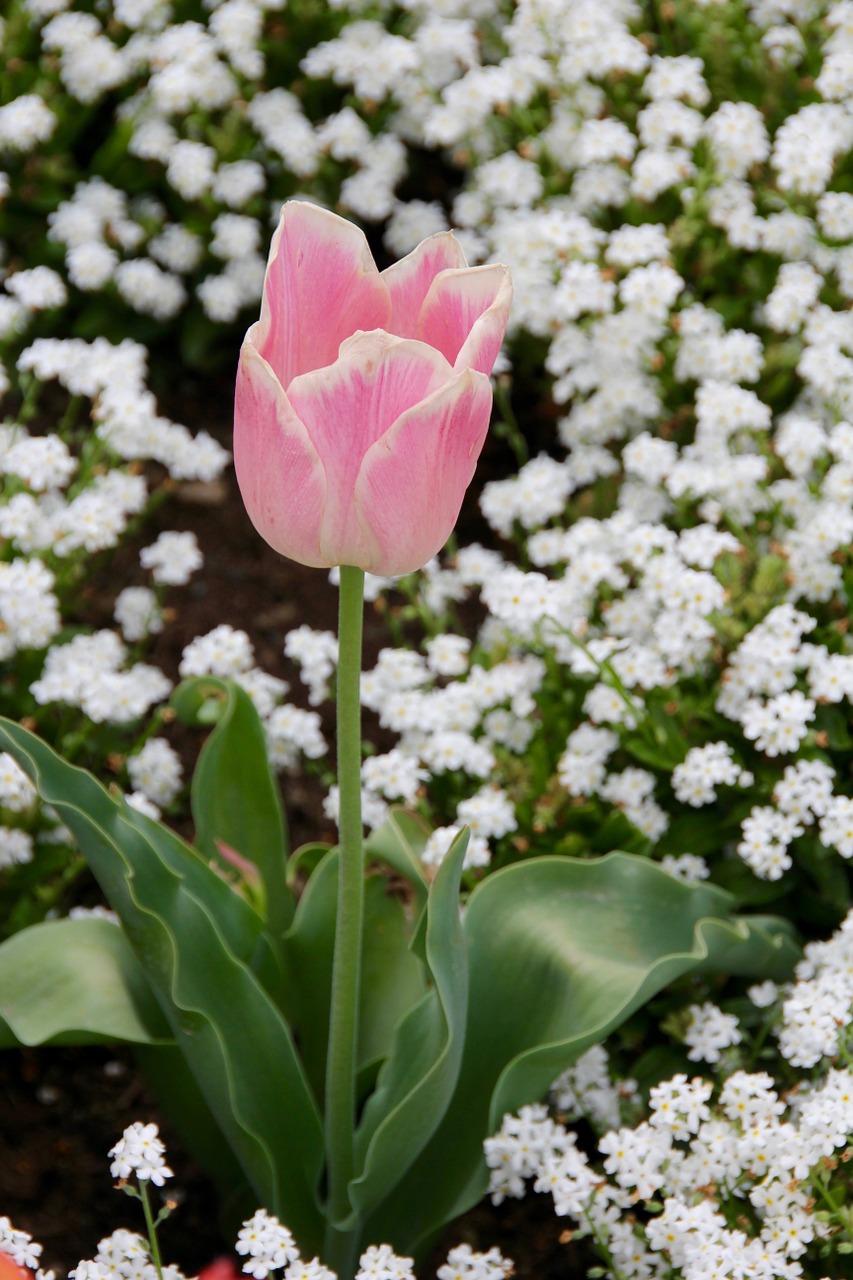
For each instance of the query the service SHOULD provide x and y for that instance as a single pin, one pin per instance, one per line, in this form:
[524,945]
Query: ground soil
[62,1109]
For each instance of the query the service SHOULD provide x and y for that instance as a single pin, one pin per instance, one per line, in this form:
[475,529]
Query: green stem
[346,971]
[152,1228]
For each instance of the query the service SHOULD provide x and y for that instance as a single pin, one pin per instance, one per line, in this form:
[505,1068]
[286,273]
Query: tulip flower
[363,397]
[220,1269]
[9,1269]
[362,403]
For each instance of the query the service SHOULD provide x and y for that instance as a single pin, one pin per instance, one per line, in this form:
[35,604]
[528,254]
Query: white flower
[173,558]
[156,770]
[138,613]
[710,1031]
[25,122]
[17,793]
[16,847]
[38,288]
[140,1152]
[380,1262]
[223,652]
[268,1244]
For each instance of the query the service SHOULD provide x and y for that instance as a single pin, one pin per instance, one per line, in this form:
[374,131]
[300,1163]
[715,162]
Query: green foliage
[75,982]
[461,1020]
[214,972]
[235,798]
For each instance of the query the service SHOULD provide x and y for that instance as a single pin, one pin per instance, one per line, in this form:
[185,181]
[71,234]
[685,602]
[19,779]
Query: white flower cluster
[139,1153]
[89,672]
[450,728]
[22,1249]
[586,1089]
[692,1163]
[817,1010]
[125,1254]
[726,542]
[268,1247]
[227,652]
[626,227]
[732,1175]
[67,495]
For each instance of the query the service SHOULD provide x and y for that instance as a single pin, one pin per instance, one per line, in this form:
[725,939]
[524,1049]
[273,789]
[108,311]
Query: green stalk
[154,1244]
[346,969]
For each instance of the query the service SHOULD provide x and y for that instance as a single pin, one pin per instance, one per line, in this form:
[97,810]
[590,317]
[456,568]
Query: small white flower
[140,1152]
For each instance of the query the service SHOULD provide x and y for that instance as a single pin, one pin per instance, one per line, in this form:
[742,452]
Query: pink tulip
[9,1269]
[220,1269]
[363,397]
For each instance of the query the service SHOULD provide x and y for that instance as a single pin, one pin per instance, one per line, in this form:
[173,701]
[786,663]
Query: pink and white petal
[281,478]
[408,281]
[413,480]
[465,315]
[321,285]
[347,409]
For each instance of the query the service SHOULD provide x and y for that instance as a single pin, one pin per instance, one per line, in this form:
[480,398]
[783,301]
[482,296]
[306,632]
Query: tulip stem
[346,971]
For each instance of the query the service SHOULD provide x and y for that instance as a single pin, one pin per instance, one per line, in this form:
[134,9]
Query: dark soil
[62,1109]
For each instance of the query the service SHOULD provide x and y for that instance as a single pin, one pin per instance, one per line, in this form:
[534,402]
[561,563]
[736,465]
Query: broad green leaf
[75,982]
[416,1083]
[235,797]
[392,980]
[560,952]
[197,942]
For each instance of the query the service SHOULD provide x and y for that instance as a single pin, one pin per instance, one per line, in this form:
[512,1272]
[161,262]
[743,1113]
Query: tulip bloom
[9,1269]
[363,397]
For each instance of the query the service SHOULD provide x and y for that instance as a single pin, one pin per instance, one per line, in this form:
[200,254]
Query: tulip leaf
[75,982]
[304,861]
[199,944]
[392,980]
[399,842]
[235,797]
[417,1081]
[560,952]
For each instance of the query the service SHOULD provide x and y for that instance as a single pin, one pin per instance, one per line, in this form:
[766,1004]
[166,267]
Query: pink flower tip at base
[363,397]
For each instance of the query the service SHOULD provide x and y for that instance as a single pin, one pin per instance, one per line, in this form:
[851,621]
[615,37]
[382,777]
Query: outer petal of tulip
[281,478]
[220,1269]
[9,1269]
[350,408]
[465,314]
[321,286]
[408,281]
[414,478]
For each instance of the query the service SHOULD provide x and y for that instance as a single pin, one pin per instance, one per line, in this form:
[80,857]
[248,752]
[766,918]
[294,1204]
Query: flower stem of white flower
[151,1226]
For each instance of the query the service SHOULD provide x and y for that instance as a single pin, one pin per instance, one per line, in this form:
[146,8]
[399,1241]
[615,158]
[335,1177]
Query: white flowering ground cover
[664,663]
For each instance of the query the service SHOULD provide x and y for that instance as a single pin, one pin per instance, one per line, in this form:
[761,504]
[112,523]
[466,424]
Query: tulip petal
[349,408]
[465,315]
[414,478]
[321,285]
[408,281]
[281,479]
